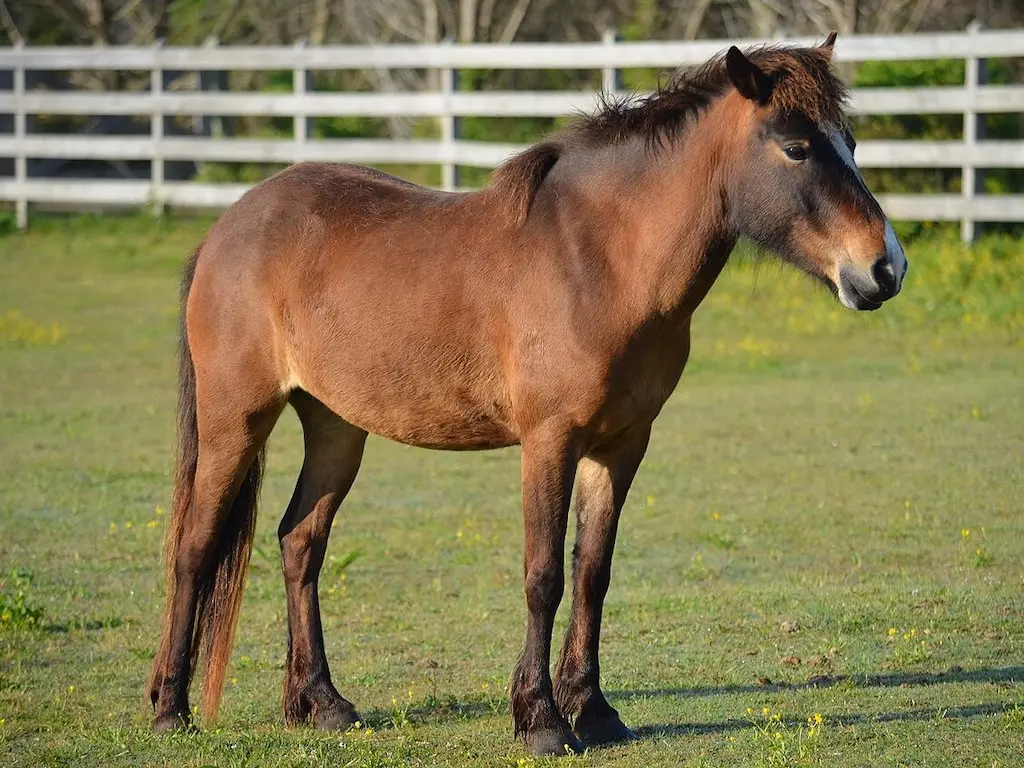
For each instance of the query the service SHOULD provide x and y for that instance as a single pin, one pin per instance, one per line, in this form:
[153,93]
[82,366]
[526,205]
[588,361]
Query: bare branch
[7,22]
[514,21]
[321,17]
[467,21]
[695,19]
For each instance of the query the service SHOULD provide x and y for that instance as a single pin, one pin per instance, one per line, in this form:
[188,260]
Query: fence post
[449,122]
[301,84]
[215,81]
[156,132]
[20,157]
[611,82]
[971,182]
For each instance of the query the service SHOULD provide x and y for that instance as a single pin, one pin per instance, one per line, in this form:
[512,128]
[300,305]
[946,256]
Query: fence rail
[866,101]
[970,155]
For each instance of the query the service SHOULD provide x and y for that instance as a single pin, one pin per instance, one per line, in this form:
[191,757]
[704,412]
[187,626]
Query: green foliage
[952,290]
[231,173]
[17,611]
[783,744]
[644,21]
[932,127]
[8,223]
[18,330]
[901,74]
[905,74]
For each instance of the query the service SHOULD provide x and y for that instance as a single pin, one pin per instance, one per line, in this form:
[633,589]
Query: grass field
[821,562]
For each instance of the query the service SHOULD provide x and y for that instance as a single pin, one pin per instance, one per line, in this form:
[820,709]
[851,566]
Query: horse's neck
[678,216]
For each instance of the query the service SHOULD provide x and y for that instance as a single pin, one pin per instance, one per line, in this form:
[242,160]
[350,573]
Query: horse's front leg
[603,483]
[549,462]
[334,449]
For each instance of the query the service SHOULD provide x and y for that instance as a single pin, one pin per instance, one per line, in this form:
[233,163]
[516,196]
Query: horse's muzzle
[864,289]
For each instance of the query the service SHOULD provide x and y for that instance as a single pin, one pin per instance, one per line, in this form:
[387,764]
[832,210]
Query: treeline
[272,22]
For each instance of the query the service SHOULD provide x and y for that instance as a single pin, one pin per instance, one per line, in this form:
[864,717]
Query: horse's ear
[747,76]
[828,45]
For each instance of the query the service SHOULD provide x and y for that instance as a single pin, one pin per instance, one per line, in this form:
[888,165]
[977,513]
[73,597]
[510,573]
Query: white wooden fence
[972,99]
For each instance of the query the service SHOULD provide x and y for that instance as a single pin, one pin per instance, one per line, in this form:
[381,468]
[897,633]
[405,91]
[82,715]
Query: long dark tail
[222,585]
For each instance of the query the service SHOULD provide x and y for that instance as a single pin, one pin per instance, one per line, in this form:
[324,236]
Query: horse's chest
[651,383]
[637,387]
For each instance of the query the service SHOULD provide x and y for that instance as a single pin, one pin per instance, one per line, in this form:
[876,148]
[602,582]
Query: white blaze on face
[894,252]
[895,258]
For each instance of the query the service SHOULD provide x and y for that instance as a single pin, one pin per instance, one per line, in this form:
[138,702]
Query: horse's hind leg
[602,485]
[334,449]
[209,551]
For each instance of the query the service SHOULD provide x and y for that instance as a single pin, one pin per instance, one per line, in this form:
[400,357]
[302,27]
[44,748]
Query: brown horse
[551,310]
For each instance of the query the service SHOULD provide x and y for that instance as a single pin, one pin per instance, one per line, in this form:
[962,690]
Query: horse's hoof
[606,729]
[173,723]
[337,717]
[553,741]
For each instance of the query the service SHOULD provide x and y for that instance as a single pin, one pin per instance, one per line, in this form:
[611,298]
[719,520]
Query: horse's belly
[445,429]
[464,436]
[449,412]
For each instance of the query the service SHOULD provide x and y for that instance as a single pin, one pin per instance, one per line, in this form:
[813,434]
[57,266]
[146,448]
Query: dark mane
[802,80]
[521,176]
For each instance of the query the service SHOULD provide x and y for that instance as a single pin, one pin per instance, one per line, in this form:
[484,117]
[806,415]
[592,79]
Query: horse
[550,309]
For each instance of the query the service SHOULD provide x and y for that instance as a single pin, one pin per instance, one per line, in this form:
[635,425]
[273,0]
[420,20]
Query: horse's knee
[544,585]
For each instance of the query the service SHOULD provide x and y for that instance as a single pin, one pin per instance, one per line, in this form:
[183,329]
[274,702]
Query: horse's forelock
[803,81]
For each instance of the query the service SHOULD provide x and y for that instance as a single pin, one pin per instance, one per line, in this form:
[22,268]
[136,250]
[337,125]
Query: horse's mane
[802,80]
[520,177]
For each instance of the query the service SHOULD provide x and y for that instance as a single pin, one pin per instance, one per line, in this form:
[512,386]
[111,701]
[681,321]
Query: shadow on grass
[911,715]
[453,710]
[997,675]
[87,625]
[894,680]
[433,713]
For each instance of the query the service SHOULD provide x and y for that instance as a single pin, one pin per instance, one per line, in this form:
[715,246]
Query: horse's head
[798,191]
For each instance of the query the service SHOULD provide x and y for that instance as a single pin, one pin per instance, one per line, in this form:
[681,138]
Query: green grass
[828,522]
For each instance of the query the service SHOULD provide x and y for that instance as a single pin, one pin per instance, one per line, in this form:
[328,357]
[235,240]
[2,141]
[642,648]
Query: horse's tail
[220,588]
[220,592]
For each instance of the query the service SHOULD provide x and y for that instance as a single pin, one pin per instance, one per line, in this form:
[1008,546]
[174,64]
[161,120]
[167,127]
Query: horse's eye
[796,152]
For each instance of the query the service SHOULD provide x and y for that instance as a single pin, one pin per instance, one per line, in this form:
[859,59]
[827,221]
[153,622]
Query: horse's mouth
[853,297]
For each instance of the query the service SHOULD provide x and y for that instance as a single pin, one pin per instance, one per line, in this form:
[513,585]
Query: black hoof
[173,723]
[553,742]
[337,717]
[605,729]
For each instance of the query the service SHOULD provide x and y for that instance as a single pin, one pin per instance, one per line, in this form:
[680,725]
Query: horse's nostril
[885,275]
